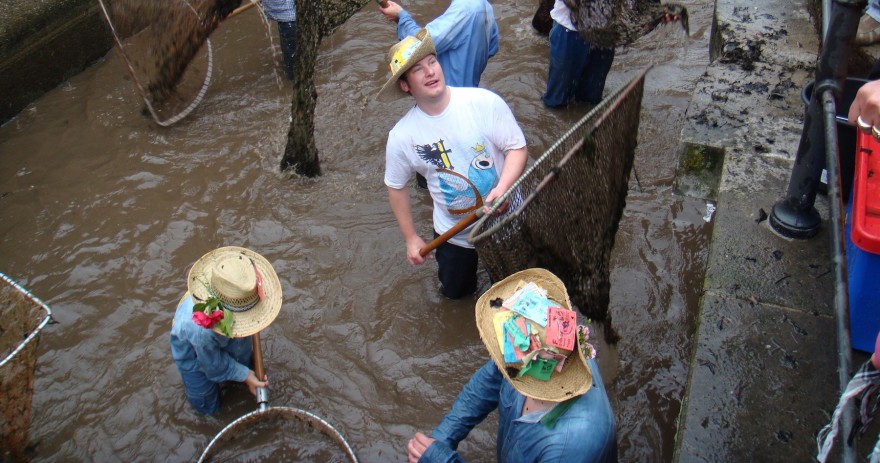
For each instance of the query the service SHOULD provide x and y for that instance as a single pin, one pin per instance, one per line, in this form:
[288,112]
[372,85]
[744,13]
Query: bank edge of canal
[42,44]
[763,377]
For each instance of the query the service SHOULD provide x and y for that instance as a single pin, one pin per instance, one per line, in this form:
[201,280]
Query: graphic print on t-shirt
[462,191]
[435,154]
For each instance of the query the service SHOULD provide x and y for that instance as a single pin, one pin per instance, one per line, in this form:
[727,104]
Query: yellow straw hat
[245,283]
[402,56]
[575,378]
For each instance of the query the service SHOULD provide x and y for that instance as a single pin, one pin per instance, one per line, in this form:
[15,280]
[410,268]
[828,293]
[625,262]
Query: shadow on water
[104,212]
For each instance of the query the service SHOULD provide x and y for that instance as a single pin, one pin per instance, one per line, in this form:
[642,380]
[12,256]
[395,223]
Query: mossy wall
[43,43]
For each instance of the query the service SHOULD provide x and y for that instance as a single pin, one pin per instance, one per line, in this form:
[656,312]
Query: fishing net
[272,434]
[23,317]
[279,434]
[166,50]
[573,198]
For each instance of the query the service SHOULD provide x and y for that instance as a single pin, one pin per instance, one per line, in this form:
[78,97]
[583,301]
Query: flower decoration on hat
[211,313]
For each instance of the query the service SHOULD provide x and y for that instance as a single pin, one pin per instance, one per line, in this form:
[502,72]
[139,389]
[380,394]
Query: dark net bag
[565,208]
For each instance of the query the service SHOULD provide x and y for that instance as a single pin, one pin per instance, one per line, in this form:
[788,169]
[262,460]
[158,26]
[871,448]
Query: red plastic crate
[866,194]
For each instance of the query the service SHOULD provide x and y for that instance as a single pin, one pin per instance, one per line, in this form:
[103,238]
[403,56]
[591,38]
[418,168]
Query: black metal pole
[838,253]
[795,215]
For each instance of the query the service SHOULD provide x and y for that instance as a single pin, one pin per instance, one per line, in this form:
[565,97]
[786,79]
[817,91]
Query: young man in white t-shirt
[464,141]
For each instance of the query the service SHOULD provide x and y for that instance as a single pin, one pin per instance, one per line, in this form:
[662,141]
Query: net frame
[264,412]
[566,206]
[148,105]
[21,312]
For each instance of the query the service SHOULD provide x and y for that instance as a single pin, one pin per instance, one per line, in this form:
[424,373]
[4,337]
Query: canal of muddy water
[104,212]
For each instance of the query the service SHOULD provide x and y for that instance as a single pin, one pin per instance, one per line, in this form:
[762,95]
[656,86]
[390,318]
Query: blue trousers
[287,35]
[202,393]
[577,70]
[457,270]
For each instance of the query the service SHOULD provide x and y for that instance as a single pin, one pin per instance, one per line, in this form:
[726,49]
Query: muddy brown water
[103,212]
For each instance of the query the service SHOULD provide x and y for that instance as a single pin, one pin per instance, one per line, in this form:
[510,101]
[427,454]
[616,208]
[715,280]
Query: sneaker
[868,32]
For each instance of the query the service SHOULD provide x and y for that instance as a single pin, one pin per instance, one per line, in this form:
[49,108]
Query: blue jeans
[287,35]
[577,70]
[202,393]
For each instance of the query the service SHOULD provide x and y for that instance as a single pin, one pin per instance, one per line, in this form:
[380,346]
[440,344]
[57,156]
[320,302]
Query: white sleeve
[398,170]
[507,134]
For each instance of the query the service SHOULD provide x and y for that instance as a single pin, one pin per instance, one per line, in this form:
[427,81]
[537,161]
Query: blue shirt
[584,433]
[465,37]
[280,10]
[198,349]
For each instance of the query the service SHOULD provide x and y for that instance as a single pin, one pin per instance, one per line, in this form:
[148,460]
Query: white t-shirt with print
[469,138]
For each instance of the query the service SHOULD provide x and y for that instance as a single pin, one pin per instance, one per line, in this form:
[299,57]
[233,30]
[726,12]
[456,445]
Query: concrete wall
[43,43]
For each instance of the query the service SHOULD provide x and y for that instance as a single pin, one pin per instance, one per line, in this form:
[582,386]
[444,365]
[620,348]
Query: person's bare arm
[514,164]
[399,200]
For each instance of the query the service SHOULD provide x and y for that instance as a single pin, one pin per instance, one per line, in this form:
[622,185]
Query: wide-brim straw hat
[575,378]
[402,56]
[227,273]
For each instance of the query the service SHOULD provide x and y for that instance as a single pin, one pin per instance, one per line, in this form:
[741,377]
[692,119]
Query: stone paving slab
[763,377]
[761,384]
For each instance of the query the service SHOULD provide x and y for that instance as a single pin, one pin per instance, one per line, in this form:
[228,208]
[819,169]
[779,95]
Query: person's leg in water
[568,56]
[201,393]
[457,270]
[592,82]
[287,34]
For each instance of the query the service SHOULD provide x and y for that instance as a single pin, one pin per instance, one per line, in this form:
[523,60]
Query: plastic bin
[862,270]
[866,195]
[846,135]
[863,247]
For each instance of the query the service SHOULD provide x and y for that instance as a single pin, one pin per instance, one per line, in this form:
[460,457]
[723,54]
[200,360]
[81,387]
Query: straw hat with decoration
[575,378]
[402,56]
[240,283]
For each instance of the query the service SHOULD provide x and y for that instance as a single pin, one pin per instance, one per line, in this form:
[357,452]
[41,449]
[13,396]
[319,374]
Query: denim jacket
[584,433]
[465,37]
[198,349]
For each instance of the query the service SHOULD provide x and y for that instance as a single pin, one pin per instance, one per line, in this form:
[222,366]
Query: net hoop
[483,230]
[140,88]
[39,327]
[302,415]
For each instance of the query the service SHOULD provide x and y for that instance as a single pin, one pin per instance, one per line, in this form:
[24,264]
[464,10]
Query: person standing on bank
[465,37]
[454,137]
[577,69]
[232,293]
[284,13]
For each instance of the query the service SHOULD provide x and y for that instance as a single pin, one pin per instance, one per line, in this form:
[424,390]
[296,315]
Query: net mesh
[565,208]
[23,316]
[166,50]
